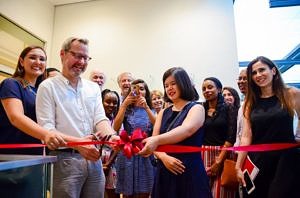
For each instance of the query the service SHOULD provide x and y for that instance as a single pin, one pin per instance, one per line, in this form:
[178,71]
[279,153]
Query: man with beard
[73,106]
[98,77]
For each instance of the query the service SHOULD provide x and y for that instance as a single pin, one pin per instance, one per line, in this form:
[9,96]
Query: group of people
[68,108]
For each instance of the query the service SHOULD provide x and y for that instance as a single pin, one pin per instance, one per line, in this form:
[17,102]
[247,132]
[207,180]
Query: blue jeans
[76,177]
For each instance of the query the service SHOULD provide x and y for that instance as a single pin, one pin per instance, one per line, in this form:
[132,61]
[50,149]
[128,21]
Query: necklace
[27,85]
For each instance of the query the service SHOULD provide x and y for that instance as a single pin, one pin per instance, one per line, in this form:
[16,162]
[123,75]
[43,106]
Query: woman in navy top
[179,175]
[17,108]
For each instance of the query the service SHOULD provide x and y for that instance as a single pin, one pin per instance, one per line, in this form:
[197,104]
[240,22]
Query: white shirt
[239,128]
[73,112]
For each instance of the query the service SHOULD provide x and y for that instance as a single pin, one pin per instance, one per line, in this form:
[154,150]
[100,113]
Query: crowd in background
[67,108]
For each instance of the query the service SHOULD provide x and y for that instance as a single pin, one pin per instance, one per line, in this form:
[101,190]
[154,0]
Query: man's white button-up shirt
[71,111]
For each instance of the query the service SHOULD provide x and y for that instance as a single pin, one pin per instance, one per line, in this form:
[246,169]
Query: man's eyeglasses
[79,56]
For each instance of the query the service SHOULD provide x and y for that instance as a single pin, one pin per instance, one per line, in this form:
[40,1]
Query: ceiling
[63,2]
[273,3]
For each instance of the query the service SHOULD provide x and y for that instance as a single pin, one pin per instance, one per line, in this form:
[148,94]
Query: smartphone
[249,183]
[135,90]
[133,93]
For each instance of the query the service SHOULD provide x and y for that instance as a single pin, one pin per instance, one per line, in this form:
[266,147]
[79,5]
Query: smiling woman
[18,118]
[178,175]
[269,109]
[219,130]
[17,107]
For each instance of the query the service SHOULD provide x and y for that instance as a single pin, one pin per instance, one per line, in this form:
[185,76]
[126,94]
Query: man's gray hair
[67,44]
[123,74]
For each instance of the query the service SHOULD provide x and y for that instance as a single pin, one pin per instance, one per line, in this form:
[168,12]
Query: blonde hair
[157,93]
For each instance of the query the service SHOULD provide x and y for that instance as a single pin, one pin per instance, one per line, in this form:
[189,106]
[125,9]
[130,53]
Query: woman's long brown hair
[278,87]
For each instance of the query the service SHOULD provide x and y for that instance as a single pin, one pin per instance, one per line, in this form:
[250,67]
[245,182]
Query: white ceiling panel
[63,2]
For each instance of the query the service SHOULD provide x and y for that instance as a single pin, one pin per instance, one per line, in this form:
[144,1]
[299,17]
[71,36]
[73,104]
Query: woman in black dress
[219,130]
[268,118]
[179,175]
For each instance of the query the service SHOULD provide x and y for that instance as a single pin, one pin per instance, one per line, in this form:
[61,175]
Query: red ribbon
[131,144]
[263,147]
[16,146]
[69,144]
[250,148]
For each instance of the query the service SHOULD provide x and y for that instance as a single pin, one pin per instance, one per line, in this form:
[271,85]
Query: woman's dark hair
[221,106]
[235,94]
[106,91]
[278,87]
[216,81]
[20,72]
[51,69]
[187,89]
[234,108]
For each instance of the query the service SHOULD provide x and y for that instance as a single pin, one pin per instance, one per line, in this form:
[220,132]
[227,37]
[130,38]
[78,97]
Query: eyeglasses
[79,56]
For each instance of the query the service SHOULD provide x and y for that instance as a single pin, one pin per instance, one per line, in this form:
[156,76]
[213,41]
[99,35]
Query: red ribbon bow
[131,144]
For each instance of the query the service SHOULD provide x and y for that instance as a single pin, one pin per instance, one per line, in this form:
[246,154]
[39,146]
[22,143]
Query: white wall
[147,37]
[142,36]
[35,16]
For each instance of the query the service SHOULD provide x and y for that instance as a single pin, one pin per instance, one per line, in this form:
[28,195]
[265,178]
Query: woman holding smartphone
[135,175]
[268,118]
